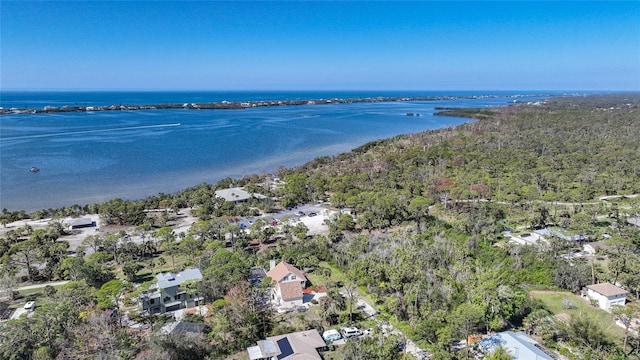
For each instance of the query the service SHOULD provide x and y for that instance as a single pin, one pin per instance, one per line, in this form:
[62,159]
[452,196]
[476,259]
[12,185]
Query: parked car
[300,213]
[349,332]
[30,305]
[312,214]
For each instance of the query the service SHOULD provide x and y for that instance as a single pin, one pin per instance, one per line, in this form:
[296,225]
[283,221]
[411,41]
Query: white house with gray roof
[169,293]
[606,295]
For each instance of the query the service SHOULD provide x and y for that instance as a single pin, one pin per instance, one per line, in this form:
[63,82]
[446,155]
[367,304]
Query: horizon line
[303,90]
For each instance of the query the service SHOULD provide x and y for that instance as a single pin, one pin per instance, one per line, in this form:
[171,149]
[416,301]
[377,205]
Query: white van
[349,332]
[30,305]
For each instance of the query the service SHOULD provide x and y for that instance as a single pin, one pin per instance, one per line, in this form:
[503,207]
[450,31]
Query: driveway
[19,311]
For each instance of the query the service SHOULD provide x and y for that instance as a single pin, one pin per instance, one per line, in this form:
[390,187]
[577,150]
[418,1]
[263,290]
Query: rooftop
[283,269]
[290,290]
[80,222]
[607,289]
[233,194]
[298,345]
[547,232]
[167,280]
[519,345]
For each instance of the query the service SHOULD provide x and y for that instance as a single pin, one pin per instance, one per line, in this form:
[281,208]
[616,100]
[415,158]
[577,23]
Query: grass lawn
[148,272]
[338,276]
[553,302]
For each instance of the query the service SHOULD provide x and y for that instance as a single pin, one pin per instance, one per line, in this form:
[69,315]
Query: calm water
[92,157]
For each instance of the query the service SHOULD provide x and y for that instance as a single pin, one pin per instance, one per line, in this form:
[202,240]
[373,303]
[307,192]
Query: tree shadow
[144,277]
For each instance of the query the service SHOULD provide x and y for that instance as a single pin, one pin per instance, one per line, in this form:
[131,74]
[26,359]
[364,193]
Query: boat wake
[91,131]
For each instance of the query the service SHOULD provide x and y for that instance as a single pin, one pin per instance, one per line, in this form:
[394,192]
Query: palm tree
[499,353]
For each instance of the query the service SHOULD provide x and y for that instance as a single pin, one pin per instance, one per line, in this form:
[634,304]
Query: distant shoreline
[247,165]
[239,105]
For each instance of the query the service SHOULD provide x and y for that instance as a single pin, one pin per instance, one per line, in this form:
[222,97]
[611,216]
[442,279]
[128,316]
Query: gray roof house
[519,345]
[547,232]
[234,195]
[80,223]
[298,345]
[169,292]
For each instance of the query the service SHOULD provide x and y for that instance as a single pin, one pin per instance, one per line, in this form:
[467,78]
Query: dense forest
[427,243]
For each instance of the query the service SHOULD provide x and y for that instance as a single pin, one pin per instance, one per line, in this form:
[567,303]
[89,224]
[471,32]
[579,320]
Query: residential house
[519,345]
[550,232]
[606,295]
[169,293]
[236,195]
[289,282]
[298,345]
[80,223]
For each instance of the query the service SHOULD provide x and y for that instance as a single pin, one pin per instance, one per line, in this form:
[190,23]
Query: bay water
[91,157]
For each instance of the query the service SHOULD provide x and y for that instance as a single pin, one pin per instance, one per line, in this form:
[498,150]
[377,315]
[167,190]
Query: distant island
[246,104]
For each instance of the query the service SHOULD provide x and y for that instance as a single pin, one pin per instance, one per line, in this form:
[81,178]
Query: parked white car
[30,305]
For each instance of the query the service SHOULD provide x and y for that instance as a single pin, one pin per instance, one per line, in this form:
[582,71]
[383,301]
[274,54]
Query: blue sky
[207,45]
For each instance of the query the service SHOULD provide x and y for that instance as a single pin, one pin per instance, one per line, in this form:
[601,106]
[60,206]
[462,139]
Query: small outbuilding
[606,295]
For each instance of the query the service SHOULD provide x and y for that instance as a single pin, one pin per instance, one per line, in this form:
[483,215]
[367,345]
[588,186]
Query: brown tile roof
[606,289]
[283,269]
[290,290]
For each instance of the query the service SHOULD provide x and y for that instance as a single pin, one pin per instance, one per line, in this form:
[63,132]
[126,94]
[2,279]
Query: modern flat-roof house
[298,345]
[519,345]
[606,295]
[169,292]
[289,282]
